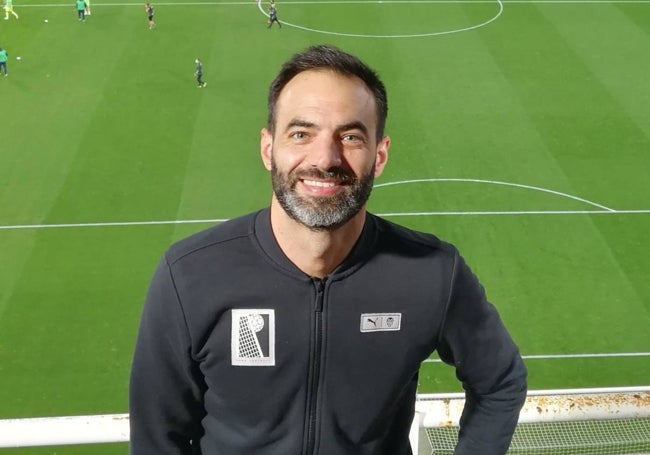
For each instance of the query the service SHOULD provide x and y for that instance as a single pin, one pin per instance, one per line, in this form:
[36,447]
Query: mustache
[338,173]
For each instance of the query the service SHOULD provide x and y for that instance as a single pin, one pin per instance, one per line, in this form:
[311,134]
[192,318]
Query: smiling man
[323,150]
[301,328]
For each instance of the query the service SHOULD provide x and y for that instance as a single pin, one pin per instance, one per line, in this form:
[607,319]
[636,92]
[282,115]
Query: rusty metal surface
[610,403]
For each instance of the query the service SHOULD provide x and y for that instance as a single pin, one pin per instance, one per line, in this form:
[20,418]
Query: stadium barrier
[570,421]
[606,421]
[59,431]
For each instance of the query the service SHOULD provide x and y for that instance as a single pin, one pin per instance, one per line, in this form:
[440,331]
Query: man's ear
[381,158]
[266,147]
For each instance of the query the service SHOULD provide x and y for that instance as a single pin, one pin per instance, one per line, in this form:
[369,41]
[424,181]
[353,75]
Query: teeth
[317,183]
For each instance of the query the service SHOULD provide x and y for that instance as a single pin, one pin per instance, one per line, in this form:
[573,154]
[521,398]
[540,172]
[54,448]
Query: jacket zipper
[312,398]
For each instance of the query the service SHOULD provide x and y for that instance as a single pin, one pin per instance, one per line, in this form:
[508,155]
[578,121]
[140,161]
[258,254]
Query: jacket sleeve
[488,363]
[166,387]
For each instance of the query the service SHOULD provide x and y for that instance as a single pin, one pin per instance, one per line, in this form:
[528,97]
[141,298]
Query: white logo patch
[381,322]
[252,339]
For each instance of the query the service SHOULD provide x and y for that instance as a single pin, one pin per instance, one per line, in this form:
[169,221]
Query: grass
[102,123]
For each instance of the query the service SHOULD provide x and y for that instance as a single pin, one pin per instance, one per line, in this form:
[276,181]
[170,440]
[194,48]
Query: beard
[322,213]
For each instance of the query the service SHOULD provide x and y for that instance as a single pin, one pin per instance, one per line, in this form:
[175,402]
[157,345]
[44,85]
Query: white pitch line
[604,210]
[496,182]
[335,2]
[395,214]
[519,212]
[414,35]
[572,356]
[110,224]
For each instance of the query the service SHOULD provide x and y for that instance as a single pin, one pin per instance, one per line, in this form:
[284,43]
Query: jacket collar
[360,253]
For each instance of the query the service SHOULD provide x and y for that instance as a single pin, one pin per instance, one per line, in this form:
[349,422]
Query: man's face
[324,155]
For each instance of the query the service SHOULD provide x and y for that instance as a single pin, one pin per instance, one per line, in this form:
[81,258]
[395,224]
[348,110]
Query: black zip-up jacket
[241,353]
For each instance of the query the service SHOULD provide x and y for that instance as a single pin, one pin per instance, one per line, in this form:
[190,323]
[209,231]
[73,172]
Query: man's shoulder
[412,239]
[227,231]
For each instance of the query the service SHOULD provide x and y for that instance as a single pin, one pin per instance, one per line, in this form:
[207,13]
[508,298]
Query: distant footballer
[198,73]
[4,56]
[273,14]
[8,6]
[148,7]
[81,10]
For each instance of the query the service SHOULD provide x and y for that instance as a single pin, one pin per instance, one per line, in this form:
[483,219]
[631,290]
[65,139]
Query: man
[81,10]
[198,72]
[273,14]
[4,56]
[148,7]
[9,9]
[300,329]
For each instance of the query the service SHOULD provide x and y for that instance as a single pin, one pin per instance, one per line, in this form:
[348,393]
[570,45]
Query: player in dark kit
[149,9]
[199,73]
[273,14]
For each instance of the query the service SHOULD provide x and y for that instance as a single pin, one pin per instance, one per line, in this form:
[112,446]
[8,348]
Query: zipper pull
[320,291]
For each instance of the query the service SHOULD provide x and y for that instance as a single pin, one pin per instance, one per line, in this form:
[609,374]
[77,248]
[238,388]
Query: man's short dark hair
[332,58]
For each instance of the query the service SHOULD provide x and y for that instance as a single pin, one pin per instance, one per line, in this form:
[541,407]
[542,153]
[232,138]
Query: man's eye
[351,138]
[299,135]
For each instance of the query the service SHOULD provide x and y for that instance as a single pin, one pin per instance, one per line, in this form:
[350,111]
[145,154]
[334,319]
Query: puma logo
[381,322]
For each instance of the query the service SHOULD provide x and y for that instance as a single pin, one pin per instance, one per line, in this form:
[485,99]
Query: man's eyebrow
[355,125]
[301,123]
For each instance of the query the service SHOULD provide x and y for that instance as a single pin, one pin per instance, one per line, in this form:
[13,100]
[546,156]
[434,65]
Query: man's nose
[327,153]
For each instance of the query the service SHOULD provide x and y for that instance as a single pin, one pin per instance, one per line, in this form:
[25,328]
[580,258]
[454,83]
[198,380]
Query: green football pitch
[520,132]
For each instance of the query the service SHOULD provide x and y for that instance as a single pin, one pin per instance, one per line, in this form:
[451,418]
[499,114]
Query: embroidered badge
[381,322]
[252,338]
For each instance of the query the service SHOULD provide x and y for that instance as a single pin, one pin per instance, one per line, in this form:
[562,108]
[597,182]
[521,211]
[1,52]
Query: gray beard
[322,213]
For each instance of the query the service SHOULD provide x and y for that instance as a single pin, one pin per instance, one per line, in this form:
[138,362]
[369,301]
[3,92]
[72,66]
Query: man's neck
[316,253]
